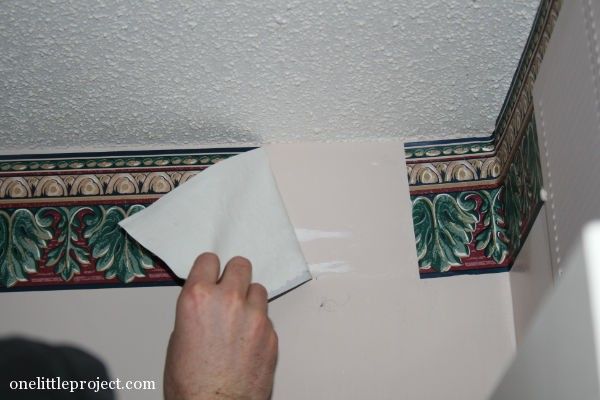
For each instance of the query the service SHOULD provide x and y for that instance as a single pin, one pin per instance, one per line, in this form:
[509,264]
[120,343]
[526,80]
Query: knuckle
[258,293]
[195,295]
[206,257]
[241,261]
[260,289]
[260,323]
[234,298]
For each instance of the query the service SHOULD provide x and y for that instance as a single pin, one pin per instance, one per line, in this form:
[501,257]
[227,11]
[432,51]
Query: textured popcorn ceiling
[126,73]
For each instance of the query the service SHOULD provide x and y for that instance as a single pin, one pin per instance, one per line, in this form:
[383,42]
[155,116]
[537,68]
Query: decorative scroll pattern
[480,230]
[24,186]
[59,218]
[424,174]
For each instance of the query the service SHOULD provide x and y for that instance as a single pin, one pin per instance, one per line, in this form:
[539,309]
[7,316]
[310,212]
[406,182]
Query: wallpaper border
[59,216]
[475,200]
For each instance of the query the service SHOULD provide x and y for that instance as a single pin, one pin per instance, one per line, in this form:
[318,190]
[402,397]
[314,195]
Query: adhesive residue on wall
[329,267]
[307,235]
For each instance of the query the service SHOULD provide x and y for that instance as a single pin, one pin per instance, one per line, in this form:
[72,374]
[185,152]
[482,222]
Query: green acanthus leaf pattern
[522,187]
[493,238]
[22,243]
[115,252]
[70,251]
[531,157]
[443,230]
[514,200]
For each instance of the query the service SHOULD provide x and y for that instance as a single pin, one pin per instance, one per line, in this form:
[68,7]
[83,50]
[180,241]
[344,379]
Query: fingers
[205,270]
[257,297]
[237,276]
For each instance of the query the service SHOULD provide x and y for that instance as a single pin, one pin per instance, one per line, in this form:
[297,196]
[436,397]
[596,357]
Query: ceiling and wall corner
[487,189]
[114,74]
[475,200]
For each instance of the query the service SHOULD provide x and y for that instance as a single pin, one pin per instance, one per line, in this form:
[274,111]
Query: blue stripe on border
[88,286]
[465,272]
[488,139]
[124,153]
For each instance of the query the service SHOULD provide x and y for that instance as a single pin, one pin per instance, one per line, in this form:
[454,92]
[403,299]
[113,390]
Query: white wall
[559,357]
[567,109]
[565,96]
[376,331]
[531,276]
[556,358]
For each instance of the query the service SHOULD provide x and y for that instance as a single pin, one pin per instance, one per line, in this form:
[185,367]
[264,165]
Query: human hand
[223,345]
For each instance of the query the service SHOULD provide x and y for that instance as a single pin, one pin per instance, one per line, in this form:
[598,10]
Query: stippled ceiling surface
[115,73]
